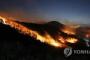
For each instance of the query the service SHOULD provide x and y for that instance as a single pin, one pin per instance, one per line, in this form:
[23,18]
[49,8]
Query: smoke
[20,10]
[23,16]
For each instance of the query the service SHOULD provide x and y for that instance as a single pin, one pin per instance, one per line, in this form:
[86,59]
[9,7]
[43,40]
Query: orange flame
[69,30]
[71,40]
[46,38]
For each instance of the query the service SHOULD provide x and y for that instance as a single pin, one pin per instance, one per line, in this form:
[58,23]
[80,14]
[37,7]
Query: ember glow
[71,40]
[69,30]
[61,41]
[88,34]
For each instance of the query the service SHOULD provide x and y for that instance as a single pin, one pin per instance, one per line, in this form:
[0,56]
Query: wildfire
[69,30]
[46,38]
[61,39]
[71,40]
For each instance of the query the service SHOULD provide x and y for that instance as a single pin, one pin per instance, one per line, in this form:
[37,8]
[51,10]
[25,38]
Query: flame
[69,30]
[46,38]
[71,40]
[61,39]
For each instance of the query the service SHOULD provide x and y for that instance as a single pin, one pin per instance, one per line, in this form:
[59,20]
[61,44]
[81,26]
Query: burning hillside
[52,33]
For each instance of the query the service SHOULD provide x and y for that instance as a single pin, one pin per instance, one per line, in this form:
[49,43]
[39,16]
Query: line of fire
[65,35]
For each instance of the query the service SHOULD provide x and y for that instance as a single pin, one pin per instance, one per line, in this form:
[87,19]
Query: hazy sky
[72,10]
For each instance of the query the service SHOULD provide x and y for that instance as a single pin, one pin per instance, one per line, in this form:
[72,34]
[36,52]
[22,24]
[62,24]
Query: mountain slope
[14,45]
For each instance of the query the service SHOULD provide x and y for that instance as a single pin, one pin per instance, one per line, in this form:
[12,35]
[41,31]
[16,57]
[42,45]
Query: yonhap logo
[67,52]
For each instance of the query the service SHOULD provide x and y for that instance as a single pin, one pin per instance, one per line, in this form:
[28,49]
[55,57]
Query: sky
[43,10]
